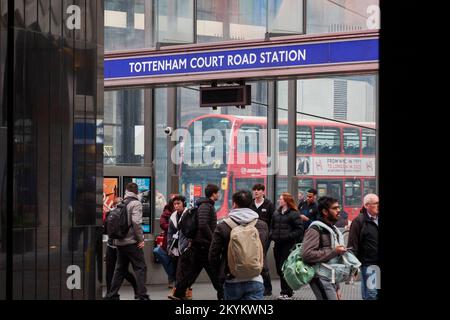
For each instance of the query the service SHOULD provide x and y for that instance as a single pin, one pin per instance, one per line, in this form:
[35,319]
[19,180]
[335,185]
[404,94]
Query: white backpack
[245,250]
[341,268]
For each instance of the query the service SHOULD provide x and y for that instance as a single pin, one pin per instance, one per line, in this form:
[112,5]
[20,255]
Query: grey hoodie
[135,233]
[244,216]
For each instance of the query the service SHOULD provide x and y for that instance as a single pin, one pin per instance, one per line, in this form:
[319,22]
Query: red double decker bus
[337,159]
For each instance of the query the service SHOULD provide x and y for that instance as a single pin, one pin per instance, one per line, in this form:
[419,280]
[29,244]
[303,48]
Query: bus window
[304,140]
[370,186]
[368,141]
[247,183]
[351,141]
[281,185]
[282,139]
[303,186]
[327,140]
[330,188]
[353,193]
[248,139]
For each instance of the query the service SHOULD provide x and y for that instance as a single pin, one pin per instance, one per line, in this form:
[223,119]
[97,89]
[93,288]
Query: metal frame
[292,138]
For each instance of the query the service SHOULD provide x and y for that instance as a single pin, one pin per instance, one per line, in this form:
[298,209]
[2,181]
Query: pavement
[205,291]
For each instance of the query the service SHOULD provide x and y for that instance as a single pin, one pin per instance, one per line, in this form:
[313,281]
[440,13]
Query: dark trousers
[125,255]
[190,265]
[266,273]
[281,252]
[111,260]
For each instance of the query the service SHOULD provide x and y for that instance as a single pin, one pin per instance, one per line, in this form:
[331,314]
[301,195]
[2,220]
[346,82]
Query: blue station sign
[268,57]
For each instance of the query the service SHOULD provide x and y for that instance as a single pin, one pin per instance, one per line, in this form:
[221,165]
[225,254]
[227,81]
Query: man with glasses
[363,239]
[318,247]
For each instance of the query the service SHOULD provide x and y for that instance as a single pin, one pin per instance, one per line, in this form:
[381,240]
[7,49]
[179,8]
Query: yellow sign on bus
[224,183]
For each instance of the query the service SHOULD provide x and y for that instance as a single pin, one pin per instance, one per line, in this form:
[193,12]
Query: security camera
[168,131]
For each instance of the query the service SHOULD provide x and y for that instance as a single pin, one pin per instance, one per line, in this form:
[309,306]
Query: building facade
[51,103]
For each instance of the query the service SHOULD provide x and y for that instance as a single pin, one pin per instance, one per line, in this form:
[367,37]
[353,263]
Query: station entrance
[160,138]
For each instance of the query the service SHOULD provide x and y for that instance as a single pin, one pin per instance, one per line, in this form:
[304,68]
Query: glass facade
[138,24]
[3,145]
[124,137]
[51,105]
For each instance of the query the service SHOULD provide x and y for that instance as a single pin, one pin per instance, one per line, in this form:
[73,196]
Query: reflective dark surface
[57,168]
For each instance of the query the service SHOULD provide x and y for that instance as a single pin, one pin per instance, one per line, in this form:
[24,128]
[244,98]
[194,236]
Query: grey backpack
[341,268]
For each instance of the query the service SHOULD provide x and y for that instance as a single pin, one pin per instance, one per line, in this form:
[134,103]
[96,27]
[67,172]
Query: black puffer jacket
[207,222]
[286,227]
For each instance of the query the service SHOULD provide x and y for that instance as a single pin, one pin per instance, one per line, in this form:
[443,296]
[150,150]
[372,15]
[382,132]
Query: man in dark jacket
[130,248]
[308,208]
[265,209]
[363,241]
[317,247]
[196,257]
[237,289]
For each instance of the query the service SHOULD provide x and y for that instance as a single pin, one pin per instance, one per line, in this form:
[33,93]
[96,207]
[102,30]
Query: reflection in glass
[125,24]
[124,127]
[325,16]
[175,21]
[285,17]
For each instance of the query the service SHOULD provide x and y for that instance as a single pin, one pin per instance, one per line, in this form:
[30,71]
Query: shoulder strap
[230,222]
[336,235]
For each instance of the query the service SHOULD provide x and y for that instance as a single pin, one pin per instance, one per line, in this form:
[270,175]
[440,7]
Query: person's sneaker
[267,293]
[284,297]
[172,297]
[189,294]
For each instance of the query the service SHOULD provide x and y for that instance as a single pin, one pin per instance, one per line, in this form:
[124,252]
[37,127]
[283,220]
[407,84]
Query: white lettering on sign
[219,61]
[74,280]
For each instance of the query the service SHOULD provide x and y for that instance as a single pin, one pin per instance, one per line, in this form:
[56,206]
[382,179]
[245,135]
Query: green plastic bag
[295,271]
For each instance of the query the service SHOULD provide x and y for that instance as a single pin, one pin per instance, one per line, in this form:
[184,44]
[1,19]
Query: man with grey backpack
[237,250]
[323,247]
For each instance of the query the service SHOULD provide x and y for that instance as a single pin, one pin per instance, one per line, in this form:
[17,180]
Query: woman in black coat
[286,230]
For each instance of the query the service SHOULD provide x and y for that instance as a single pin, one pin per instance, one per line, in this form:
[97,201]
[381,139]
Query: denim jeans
[249,290]
[368,294]
[166,262]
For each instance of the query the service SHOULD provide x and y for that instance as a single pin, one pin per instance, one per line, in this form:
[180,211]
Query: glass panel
[285,16]
[353,193]
[124,127]
[249,134]
[247,183]
[160,150]
[125,24]
[368,141]
[281,182]
[303,186]
[351,141]
[212,152]
[327,140]
[304,139]
[370,186]
[324,16]
[219,20]
[175,21]
[330,188]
